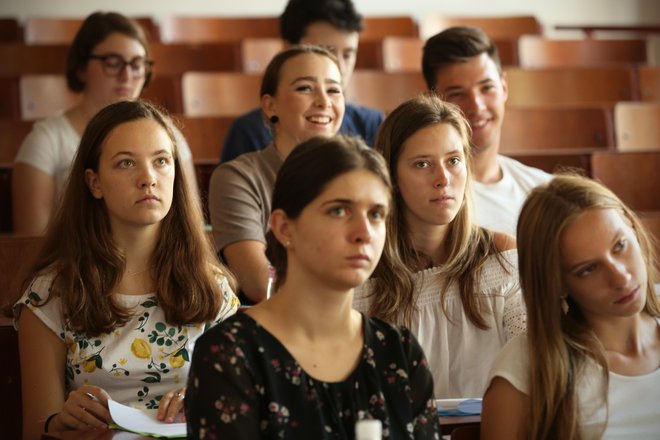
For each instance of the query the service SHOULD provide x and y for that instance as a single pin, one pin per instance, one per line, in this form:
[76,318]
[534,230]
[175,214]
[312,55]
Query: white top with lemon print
[136,363]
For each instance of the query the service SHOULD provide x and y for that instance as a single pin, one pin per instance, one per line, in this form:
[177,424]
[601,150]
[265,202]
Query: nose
[322,98]
[620,276]
[475,103]
[441,177]
[361,231]
[147,177]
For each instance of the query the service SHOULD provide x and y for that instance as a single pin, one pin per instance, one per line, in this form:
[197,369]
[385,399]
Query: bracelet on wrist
[50,417]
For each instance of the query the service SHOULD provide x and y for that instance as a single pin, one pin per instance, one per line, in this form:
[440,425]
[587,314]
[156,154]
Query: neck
[284,144]
[485,167]
[430,240]
[138,245]
[321,312]
[629,336]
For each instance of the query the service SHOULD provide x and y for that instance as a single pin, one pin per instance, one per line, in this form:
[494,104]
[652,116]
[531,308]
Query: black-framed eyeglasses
[113,64]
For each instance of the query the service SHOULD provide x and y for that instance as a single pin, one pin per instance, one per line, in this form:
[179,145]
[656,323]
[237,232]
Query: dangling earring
[564,305]
[274,119]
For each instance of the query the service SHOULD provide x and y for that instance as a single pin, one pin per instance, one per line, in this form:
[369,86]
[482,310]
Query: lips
[319,119]
[359,260]
[442,199]
[149,198]
[629,297]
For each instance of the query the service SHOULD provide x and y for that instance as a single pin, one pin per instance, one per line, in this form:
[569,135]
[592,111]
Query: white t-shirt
[52,144]
[460,354]
[136,363]
[498,204]
[634,412]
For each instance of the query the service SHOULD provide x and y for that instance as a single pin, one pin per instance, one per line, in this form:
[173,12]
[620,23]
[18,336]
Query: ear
[92,180]
[505,86]
[281,226]
[268,105]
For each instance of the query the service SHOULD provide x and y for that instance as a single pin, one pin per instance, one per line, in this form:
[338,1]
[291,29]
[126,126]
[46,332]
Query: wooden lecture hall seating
[637,126]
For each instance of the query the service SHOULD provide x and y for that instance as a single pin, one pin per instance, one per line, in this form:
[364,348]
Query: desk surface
[448,424]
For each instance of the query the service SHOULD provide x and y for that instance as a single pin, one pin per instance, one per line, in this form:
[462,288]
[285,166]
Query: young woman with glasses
[107,62]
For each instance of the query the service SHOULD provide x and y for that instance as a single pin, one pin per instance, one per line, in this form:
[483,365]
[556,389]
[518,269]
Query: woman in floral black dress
[304,364]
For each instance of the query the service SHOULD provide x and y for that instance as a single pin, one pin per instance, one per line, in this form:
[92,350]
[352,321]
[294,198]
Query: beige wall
[549,13]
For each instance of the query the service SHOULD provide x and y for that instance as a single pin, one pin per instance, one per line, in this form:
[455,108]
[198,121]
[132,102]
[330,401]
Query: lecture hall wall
[550,13]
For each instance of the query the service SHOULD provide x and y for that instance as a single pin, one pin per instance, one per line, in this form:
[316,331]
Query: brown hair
[560,344]
[80,251]
[455,45]
[96,28]
[468,246]
[304,175]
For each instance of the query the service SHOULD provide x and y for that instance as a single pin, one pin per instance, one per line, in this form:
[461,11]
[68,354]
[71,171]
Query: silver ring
[178,395]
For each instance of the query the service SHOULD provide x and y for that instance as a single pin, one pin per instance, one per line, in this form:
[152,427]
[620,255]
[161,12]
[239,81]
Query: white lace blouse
[459,353]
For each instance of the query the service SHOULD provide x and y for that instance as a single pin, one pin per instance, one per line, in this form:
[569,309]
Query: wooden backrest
[178,58]
[571,86]
[377,28]
[384,90]
[205,135]
[554,160]
[552,127]
[16,257]
[220,93]
[57,30]
[649,83]
[203,171]
[633,176]
[12,133]
[33,59]
[10,30]
[637,126]
[10,103]
[200,29]
[402,54]
[6,170]
[651,221]
[470,432]
[165,90]
[256,53]
[11,416]
[497,28]
[42,96]
[536,51]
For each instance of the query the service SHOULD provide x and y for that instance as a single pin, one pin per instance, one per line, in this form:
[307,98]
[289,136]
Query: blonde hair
[560,344]
[467,245]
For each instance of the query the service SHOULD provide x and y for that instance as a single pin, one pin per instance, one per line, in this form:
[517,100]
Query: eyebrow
[155,153]
[617,234]
[448,153]
[314,79]
[482,82]
[348,202]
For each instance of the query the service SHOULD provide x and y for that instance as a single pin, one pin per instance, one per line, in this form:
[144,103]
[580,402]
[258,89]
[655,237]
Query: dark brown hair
[455,45]
[96,28]
[304,175]
[79,249]
[299,14]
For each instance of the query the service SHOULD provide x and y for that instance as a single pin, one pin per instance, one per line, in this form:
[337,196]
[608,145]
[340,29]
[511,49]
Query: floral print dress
[245,384]
[136,363]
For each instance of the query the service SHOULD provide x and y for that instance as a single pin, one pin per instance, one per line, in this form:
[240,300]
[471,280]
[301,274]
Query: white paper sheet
[143,422]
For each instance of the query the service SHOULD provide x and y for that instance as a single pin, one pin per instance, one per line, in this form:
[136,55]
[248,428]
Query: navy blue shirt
[250,133]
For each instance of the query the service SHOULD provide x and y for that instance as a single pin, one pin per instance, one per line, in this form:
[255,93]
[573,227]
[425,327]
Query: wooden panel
[556,128]
[204,169]
[553,161]
[12,133]
[651,221]
[10,31]
[370,55]
[256,53]
[10,103]
[205,136]
[402,54]
[57,30]
[42,96]
[383,90]
[219,94]
[17,254]
[497,28]
[649,83]
[637,126]
[34,59]
[11,417]
[178,58]
[6,170]
[571,86]
[537,51]
[166,92]
[377,28]
[208,29]
[634,177]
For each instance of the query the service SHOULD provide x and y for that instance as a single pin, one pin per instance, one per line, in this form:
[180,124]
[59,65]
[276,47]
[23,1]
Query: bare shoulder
[505,410]
[504,242]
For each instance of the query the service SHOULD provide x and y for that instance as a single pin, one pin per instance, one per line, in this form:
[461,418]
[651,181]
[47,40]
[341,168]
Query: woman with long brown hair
[588,366]
[126,281]
[453,282]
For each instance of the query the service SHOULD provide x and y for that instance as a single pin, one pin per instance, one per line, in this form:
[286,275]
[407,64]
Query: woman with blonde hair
[453,282]
[588,366]
[126,282]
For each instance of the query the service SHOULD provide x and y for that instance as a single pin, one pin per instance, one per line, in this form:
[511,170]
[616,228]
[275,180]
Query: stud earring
[564,305]
[274,119]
